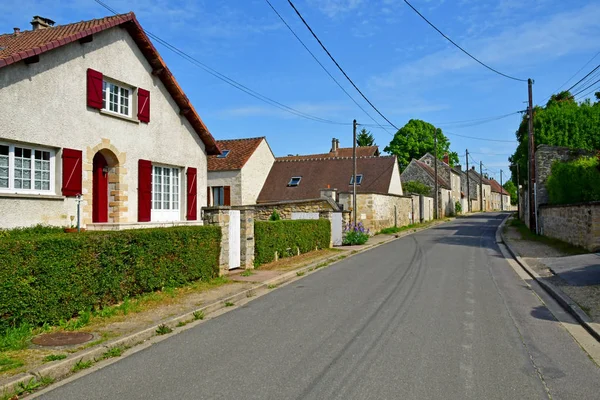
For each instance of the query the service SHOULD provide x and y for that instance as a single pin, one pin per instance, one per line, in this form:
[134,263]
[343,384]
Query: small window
[295,181]
[116,99]
[223,154]
[26,170]
[358,179]
[218,196]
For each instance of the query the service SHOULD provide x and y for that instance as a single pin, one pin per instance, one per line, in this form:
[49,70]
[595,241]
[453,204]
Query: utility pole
[355,206]
[531,183]
[435,179]
[481,185]
[468,185]
[501,193]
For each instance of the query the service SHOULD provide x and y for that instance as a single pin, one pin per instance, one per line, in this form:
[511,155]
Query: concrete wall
[578,224]
[45,104]
[255,172]
[233,179]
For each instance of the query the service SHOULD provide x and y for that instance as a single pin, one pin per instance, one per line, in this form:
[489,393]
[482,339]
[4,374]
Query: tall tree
[415,139]
[510,187]
[365,138]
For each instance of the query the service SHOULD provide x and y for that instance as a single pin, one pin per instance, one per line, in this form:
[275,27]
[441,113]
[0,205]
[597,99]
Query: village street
[436,315]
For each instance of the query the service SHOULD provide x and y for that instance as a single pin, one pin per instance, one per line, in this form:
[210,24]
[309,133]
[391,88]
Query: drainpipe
[78,200]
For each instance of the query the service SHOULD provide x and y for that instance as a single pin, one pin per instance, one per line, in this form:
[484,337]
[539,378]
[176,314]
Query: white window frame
[11,170]
[359,178]
[224,154]
[291,183]
[221,196]
[120,86]
[158,211]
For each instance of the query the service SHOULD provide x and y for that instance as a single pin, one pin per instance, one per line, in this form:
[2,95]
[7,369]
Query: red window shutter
[94,89]
[208,190]
[143,105]
[144,190]
[71,172]
[192,194]
[227,195]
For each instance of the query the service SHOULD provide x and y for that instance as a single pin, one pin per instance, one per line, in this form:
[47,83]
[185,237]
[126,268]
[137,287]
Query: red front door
[100,190]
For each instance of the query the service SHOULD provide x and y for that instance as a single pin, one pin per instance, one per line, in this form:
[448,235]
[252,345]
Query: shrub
[53,277]
[355,234]
[458,207]
[286,236]
[416,188]
[574,182]
[275,216]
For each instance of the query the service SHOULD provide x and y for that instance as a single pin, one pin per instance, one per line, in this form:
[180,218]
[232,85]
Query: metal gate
[336,228]
[234,239]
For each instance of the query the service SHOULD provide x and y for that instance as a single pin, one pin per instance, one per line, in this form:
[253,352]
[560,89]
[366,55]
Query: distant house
[237,175]
[421,171]
[336,152]
[449,174]
[500,198]
[482,186]
[465,191]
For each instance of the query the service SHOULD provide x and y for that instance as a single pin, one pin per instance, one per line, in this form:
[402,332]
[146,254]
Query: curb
[565,301]
[61,369]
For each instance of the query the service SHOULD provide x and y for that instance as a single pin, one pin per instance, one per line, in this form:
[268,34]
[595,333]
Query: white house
[91,108]
[237,175]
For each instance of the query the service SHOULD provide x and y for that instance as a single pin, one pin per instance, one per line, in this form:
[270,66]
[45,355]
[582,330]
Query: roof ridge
[240,139]
[294,159]
[73,23]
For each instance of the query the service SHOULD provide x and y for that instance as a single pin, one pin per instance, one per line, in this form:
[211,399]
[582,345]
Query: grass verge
[557,244]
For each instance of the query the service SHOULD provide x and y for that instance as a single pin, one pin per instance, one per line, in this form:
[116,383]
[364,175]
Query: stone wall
[413,172]
[545,156]
[578,224]
[262,212]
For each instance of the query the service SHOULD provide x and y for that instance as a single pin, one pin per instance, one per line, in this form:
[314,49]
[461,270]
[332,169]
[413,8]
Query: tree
[416,188]
[365,138]
[562,122]
[510,187]
[415,139]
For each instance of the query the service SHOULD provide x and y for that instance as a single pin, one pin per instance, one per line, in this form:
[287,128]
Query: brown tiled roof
[240,151]
[496,187]
[441,182]
[36,42]
[321,173]
[361,151]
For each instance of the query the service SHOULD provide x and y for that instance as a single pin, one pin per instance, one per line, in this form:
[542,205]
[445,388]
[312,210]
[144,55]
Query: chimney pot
[17,31]
[446,158]
[334,145]
[41,22]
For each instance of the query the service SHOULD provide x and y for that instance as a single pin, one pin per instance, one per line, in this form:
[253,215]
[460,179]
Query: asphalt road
[436,315]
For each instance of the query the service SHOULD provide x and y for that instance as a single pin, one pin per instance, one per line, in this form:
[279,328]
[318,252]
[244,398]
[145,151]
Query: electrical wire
[477,120]
[586,88]
[575,74]
[338,65]
[323,67]
[478,138]
[585,95]
[460,48]
[230,81]
[581,80]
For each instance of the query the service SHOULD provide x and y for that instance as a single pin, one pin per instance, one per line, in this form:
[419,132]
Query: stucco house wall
[395,181]
[255,172]
[44,104]
[233,179]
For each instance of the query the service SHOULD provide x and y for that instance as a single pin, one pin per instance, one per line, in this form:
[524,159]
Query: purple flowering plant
[355,234]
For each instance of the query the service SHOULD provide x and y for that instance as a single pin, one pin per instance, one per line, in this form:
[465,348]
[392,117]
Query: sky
[405,68]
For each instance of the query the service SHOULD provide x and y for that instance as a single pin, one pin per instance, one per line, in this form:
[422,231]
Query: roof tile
[240,151]
[342,152]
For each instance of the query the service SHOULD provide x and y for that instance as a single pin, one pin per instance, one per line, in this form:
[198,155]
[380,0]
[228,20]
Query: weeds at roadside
[79,365]
[198,315]
[163,329]
[300,273]
[181,323]
[7,363]
[229,304]
[250,294]
[26,388]
[113,352]
[271,286]
[247,272]
[54,357]
[16,338]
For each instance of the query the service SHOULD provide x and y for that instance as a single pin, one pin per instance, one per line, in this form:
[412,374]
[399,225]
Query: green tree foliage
[365,138]
[416,188]
[415,139]
[574,182]
[510,187]
[562,122]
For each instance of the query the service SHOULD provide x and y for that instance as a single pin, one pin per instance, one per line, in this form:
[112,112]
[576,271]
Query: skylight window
[223,154]
[358,179]
[295,181]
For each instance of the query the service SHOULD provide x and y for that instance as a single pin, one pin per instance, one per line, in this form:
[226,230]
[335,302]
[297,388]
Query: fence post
[219,216]
[247,237]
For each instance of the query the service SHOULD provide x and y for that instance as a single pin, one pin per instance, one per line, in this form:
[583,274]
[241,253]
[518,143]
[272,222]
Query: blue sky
[405,68]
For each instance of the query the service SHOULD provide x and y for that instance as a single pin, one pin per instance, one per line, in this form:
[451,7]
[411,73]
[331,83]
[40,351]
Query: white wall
[395,182]
[45,104]
[233,179]
[255,172]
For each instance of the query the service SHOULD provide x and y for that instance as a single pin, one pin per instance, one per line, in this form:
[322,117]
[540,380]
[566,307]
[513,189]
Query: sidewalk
[568,275]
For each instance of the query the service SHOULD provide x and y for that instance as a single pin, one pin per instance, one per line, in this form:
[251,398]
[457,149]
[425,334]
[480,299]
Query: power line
[231,81]
[583,96]
[482,120]
[575,74]
[338,65]
[586,88]
[460,48]
[323,67]
[482,139]
[579,81]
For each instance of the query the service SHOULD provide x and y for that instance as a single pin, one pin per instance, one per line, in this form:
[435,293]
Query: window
[295,181]
[26,169]
[165,193]
[116,99]
[218,196]
[358,179]
[223,154]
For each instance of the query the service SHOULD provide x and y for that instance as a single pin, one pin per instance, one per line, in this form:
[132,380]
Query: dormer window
[223,154]
[295,181]
[358,179]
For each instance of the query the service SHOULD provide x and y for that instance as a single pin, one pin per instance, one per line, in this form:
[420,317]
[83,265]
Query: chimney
[337,144]
[458,167]
[334,145]
[17,31]
[329,193]
[446,158]
[41,22]
[473,168]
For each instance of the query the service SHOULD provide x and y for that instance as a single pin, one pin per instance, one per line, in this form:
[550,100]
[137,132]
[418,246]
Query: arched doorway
[100,189]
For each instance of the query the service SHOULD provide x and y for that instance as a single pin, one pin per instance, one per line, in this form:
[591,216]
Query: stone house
[422,172]
[91,109]
[500,198]
[464,191]
[237,175]
[449,174]
[481,185]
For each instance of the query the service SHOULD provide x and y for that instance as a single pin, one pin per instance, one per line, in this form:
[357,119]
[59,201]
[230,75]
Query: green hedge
[574,182]
[285,237]
[46,278]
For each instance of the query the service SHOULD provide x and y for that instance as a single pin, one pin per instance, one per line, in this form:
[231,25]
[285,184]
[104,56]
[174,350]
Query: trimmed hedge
[574,182]
[286,236]
[46,278]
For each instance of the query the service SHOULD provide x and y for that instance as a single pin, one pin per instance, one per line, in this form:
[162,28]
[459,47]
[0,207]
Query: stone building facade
[578,224]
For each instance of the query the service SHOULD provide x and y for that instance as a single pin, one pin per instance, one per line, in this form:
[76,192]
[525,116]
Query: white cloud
[333,8]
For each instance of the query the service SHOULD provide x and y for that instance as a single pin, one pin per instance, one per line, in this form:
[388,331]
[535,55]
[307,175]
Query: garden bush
[355,234]
[45,278]
[286,236]
[576,181]
[458,207]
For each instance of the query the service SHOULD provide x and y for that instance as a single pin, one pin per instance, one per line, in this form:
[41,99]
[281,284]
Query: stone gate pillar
[219,216]
[247,237]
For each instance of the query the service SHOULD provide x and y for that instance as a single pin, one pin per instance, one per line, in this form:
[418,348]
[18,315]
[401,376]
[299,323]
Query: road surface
[436,315]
